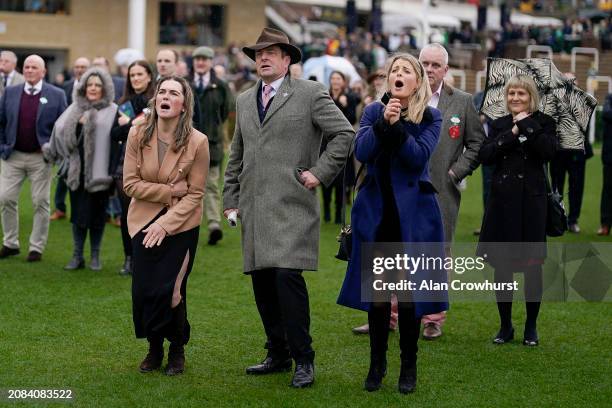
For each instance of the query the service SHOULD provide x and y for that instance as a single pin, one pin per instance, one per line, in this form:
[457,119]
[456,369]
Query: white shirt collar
[435,97]
[37,87]
[275,86]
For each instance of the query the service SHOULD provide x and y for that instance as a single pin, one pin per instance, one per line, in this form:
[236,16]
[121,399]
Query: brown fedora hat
[270,37]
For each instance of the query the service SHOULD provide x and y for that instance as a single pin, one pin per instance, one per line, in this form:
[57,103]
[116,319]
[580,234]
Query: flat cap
[203,52]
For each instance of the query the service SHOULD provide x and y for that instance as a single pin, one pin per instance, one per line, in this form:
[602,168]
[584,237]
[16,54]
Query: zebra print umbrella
[560,98]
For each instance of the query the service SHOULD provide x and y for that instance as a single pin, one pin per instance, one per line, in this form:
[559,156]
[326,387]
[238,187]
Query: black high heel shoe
[504,336]
[531,339]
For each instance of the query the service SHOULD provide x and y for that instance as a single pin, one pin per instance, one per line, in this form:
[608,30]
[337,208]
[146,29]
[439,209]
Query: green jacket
[215,104]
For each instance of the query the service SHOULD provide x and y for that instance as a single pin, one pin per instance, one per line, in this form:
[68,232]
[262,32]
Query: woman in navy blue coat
[396,203]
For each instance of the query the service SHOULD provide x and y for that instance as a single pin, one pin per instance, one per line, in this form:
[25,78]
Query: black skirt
[153,280]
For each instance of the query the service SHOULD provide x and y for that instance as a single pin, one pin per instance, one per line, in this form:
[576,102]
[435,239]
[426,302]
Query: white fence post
[479,76]
[461,74]
[540,48]
[585,51]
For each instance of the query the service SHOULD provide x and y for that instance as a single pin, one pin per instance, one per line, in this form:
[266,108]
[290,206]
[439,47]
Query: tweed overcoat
[455,151]
[279,216]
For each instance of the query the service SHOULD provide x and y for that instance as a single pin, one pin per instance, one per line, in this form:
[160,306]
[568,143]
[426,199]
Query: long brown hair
[128,90]
[185,123]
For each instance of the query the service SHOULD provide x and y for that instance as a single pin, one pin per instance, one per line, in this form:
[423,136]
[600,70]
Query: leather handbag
[556,218]
[345,238]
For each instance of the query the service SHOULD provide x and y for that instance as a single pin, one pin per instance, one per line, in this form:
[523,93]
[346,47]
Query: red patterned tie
[267,90]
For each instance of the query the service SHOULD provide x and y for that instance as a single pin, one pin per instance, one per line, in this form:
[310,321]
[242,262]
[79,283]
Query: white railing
[479,77]
[585,51]
[461,74]
[591,82]
[540,49]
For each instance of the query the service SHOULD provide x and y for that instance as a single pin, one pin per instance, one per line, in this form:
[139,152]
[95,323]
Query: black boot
[95,264]
[77,262]
[179,336]
[176,359]
[378,370]
[378,319]
[408,376]
[127,266]
[154,358]
[410,330]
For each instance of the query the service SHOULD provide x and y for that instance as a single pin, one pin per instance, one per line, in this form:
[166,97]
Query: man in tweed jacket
[456,155]
[271,177]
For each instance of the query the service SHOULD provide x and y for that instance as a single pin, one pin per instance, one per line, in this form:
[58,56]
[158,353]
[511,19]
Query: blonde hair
[421,95]
[528,84]
[185,123]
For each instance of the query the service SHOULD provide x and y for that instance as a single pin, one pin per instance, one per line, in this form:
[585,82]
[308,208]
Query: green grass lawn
[73,330]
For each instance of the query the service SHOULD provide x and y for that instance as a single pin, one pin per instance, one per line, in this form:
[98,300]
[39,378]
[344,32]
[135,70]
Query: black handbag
[345,238]
[556,219]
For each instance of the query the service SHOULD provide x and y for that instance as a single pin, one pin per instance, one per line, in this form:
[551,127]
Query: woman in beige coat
[165,169]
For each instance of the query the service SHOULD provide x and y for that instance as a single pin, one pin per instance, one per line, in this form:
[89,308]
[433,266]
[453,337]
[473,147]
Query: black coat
[68,87]
[516,209]
[119,135]
[606,151]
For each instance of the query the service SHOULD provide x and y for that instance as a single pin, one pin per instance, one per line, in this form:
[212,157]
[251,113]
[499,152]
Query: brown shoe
[176,360]
[365,329]
[57,215]
[5,252]
[34,256]
[604,230]
[431,331]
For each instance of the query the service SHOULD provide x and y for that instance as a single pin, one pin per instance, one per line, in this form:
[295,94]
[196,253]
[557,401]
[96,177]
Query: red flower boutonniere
[454,131]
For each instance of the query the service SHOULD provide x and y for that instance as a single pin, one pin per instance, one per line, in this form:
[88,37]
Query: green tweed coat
[279,216]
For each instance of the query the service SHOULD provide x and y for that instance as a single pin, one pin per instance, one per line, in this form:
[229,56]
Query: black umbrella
[560,98]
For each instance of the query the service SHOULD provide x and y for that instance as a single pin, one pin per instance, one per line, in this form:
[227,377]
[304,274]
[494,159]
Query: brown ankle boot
[155,357]
[176,359]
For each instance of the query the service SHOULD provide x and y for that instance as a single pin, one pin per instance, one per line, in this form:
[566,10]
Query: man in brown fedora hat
[273,170]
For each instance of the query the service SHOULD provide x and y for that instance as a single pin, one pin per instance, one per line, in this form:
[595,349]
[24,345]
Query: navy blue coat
[417,206]
[45,118]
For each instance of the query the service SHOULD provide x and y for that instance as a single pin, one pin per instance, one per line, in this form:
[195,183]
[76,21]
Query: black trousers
[338,187]
[574,164]
[606,196]
[282,300]
[61,190]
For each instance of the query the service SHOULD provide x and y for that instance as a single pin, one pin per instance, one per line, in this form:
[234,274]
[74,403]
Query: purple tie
[267,90]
